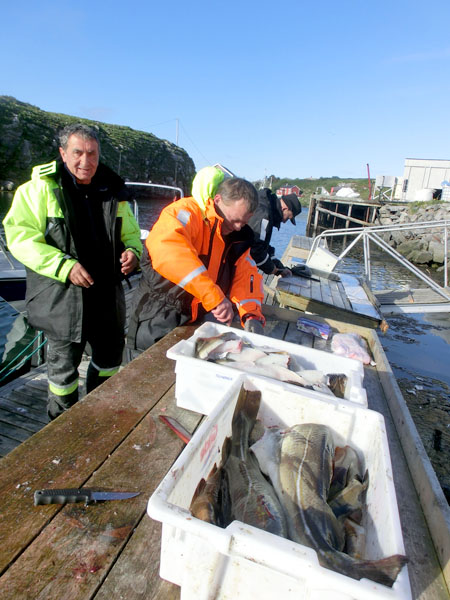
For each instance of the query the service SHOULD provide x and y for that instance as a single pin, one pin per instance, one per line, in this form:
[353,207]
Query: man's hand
[280,269]
[129,262]
[284,272]
[79,276]
[254,325]
[224,312]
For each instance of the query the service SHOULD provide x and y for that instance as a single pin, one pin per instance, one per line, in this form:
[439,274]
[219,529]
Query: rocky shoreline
[420,247]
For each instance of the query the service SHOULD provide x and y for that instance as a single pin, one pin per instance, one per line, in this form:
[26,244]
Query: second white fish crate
[200,384]
[242,561]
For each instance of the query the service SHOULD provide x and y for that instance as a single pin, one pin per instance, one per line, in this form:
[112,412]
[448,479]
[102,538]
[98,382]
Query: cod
[299,462]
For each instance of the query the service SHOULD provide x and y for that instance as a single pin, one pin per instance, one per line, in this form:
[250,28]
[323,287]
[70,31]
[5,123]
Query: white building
[421,177]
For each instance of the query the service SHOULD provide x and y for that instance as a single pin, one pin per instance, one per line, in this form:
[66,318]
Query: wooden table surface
[114,440]
[111,440]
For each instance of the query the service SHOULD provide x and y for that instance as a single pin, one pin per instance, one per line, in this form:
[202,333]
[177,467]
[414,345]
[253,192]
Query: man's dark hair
[235,188]
[81,130]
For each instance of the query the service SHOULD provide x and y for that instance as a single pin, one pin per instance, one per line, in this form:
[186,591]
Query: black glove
[253,325]
[278,263]
[301,271]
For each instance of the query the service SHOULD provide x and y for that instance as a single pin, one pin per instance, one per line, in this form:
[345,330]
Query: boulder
[420,257]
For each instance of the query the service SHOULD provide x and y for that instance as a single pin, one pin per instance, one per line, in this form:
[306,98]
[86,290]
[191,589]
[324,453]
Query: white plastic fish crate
[242,561]
[200,384]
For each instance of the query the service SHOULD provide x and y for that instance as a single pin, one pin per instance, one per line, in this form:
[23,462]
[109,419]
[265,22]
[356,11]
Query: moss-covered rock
[28,137]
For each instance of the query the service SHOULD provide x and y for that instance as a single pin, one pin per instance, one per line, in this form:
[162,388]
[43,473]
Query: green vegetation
[28,138]
[413,207]
[309,186]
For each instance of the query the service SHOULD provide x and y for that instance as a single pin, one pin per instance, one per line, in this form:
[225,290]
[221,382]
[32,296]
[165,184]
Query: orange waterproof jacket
[186,247]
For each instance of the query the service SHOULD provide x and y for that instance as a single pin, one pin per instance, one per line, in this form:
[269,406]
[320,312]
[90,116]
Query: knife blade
[71,495]
[176,427]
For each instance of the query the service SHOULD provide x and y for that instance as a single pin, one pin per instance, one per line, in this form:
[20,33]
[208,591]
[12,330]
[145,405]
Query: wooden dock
[333,212]
[324,296]
[23,401]
[113,440]
[343,298]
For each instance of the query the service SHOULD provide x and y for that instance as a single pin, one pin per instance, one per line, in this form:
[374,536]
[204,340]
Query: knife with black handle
[72,495]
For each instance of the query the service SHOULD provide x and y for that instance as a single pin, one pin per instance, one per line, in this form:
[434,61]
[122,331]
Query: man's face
[235,215]
[81,157]
[287,212]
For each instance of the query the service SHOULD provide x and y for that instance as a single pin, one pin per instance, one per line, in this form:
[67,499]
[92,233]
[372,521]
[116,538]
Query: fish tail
[337,383]
[244,418]
[248,403]
[383,570]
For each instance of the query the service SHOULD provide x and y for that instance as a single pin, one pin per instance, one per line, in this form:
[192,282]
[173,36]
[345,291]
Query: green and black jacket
[42,233]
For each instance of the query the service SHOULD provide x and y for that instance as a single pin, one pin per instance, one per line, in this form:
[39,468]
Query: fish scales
[253,499]
[312,522]
[211,502]
[305,473]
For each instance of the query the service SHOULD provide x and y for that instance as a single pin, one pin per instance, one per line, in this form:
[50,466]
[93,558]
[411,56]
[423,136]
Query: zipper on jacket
[251,284]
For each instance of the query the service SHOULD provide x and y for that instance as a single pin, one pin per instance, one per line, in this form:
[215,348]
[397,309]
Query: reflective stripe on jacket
[179,240]
[190,267]
[38,230]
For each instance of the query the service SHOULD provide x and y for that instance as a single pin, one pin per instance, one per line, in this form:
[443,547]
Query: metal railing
[372,234]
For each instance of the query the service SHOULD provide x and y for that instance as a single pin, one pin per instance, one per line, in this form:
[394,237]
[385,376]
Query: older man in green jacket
[73,229]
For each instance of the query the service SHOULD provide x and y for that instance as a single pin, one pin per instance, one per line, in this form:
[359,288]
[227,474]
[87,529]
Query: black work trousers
[103,330]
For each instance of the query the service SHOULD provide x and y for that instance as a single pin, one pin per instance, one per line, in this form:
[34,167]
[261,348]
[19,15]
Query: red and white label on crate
[209,443]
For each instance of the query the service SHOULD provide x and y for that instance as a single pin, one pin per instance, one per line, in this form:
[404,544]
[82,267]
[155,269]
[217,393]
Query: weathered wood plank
[325,290]
[345,300]
[31,413]
[425,575]
[84,542]
[29,396]
[336,294]
[13,417]
[14,433]
[7,443]
[63,455]
[433,502]
[275,329]
[135,575]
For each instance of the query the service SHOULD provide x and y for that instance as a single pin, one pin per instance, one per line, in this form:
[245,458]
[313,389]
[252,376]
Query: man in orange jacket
[198,265]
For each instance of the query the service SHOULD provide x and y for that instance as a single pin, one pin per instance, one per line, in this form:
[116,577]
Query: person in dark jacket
[271,212]
[72,227]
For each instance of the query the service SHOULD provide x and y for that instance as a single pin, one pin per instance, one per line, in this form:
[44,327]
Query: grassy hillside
[28,137]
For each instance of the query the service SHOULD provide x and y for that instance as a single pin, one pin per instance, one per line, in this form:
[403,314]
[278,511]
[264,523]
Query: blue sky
[287,87]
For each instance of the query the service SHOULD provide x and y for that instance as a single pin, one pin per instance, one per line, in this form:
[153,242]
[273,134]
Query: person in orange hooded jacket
[197,265]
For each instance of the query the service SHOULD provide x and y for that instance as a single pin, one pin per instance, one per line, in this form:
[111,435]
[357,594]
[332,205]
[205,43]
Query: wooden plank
[336,294]
[14,417]
[6,444]
[16,434]
[432,499]
[316,293]
[32,414]
[86,541]
[325,291]
[345,300]
[425,575]
[59,455]
[29,397]
[276,329]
